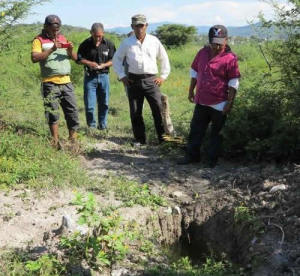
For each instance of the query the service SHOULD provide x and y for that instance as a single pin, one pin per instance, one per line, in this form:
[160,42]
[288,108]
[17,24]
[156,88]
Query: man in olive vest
[53,52]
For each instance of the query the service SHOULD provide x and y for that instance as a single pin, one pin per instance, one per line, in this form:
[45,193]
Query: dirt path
[25,215]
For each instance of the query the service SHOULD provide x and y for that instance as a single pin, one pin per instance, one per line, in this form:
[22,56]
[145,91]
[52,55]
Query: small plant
[244,216]
[133,193]
[184,266]
[104,243]
[46,265]
[86,209]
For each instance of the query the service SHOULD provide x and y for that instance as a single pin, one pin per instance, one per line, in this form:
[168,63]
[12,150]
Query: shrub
[174,35]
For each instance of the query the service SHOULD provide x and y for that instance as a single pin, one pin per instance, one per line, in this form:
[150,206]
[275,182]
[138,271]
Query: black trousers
[141,87]
[203,115]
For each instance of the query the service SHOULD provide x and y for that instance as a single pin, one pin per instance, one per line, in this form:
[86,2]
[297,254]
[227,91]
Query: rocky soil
[201,211]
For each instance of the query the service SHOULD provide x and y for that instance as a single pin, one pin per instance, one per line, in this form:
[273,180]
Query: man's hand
[191,96]
[227,108]
[101,66]
[125,81]
[93,65]
[158,81]
[70,48]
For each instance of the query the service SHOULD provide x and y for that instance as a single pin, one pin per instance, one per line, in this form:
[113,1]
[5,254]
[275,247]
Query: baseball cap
[217,34]
[52,19]
[138,19]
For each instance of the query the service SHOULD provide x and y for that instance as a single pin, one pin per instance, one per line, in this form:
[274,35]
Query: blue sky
[114,13]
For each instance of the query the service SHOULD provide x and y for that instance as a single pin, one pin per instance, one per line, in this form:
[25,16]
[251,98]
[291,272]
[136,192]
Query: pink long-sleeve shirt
[213,75]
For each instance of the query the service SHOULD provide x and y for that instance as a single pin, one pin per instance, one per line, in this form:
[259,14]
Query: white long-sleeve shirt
[141,57]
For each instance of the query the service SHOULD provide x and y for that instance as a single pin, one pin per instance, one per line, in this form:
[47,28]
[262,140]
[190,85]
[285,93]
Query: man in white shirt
[141,51]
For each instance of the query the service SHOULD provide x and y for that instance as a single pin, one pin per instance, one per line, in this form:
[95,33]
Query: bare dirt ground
[270,190]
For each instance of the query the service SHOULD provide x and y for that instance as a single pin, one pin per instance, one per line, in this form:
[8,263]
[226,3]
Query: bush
[174,35]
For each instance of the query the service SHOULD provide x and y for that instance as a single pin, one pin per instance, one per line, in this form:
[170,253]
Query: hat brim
[139,23]
[218,40]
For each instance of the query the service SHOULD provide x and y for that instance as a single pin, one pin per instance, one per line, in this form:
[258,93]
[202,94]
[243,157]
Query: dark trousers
[203,115]
[141,87]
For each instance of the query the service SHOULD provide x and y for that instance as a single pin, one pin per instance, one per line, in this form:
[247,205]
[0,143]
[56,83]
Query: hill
[242,31]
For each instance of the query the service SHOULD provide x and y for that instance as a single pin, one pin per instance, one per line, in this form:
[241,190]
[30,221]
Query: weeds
[244,216]
[184,267]
[104,243]
[18,263]
[46,265]
[131,193]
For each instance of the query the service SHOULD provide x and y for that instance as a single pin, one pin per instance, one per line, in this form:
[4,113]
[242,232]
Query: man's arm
[193,83]
[165,64]
[37,54]
[71,53]
[233,85]
[117,63]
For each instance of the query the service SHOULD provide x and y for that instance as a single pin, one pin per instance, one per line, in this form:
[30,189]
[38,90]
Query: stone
[277,188]
[119,272]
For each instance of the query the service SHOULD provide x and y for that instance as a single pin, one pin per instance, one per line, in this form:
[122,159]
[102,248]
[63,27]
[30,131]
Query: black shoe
[188,160]
[211,163]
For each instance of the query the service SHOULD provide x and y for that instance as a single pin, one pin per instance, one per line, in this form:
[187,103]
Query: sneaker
[188,160]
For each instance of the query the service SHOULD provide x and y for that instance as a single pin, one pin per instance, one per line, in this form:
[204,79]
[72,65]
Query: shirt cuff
[164,76]
[234,83]
[121,76]
[193,74]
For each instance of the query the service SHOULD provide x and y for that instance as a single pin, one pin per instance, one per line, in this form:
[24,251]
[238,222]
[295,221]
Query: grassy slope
[21,106]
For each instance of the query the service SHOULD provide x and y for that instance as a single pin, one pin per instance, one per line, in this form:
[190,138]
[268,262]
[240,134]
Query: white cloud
[230,13]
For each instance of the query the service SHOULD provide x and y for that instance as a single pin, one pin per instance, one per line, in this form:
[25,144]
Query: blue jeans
[96,90]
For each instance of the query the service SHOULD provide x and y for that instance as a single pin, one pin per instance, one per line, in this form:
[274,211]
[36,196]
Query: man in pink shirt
[215,75]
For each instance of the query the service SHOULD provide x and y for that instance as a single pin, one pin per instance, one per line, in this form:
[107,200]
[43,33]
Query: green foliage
[184,267]
[131,192]
[27,159]
[104,243]
[18,263]
[174,35]
[86,209]
[46,265]
[10,12]
[243,216]
[284,137]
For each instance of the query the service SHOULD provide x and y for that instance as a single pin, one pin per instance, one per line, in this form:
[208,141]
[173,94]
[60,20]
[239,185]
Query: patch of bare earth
[201,212]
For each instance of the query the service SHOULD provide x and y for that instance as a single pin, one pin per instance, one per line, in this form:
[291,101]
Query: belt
[139,76]
[95,72]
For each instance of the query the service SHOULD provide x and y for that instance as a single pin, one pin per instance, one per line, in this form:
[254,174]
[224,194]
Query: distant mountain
[125,30]
[244,31]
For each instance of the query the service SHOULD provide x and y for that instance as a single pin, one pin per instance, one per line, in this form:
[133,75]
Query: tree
[284,61]
[10,12]
[174,35]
